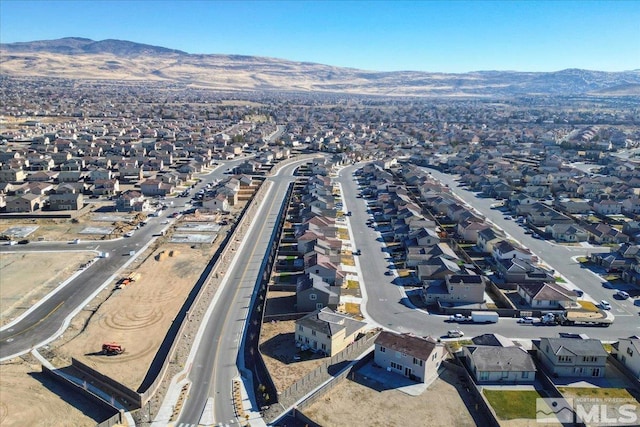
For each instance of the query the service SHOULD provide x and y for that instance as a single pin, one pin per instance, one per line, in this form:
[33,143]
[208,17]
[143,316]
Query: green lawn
[512,404]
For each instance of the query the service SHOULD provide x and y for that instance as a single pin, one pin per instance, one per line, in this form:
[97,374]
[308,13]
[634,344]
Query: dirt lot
[19,291]
[138,316]
[442,404]
[29,398]
[278,348]
[66,229]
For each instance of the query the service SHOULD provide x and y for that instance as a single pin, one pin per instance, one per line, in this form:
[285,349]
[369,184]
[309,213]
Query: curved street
[51,315]
[386,304]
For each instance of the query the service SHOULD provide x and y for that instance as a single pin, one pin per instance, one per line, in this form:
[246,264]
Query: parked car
[23,241]
[455,333]
[527,231]
[388,273]
[527,320]
[578,292]
[623,294]
[12,242]
[358,252]
[128,234]
[604,304]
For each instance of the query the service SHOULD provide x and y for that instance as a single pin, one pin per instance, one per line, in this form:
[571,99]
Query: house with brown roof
[546,295]
[408,355]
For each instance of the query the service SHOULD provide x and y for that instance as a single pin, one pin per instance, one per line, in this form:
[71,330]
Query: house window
[484,375]
[505,374]
[629,351]
[313,333]
[525,374]
[382,349]
[324,347]
[300,328]
[313,297]
[319,306]
[397,366]
[563,359]
[588,358]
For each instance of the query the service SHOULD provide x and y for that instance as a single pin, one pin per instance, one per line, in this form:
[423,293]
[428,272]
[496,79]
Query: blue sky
[439,36]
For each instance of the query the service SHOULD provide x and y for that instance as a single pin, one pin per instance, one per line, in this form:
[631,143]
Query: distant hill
[80,58]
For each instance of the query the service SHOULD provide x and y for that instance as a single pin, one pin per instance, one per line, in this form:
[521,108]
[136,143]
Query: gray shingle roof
[501,359]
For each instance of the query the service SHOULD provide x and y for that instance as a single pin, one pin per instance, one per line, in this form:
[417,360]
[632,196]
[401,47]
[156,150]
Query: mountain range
[81,58]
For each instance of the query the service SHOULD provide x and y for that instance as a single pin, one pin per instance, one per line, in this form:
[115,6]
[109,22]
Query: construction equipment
[112,349]
[127,280]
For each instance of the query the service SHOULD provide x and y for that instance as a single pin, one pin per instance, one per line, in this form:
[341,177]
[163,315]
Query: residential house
[505,250]
[312,293]
[414,357]
[11,174]
[106,187]
[567,233]
[131,200]
[572,357]
[218,202]
[154,187]
[607,207]
[322,266]
[28,202]
[458,288]
[497,364]
[327,331]
[627,351]
[604,233]
[66,198]
[487,238]
[546,295]
[515,270]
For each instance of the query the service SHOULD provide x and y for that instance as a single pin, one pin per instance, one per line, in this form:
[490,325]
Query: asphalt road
[51,316]
[386,302]
[214,364]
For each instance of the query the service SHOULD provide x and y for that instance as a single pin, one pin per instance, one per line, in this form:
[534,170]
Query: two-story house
[627,351]
[327,331]
[414,357]
[572,357]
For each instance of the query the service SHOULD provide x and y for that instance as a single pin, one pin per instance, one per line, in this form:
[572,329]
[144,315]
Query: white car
[623,294]
[455,333]
[605,305]
[527,320]
[12,242]
[129,234]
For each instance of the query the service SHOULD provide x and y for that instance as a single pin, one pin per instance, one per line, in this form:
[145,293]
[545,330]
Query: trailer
[484,317]
[585,318]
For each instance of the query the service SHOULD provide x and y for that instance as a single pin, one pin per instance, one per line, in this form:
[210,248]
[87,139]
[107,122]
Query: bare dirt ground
[278,349]
[354,403]
[29,398]
[65,229]
[19,291]
[138,316]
